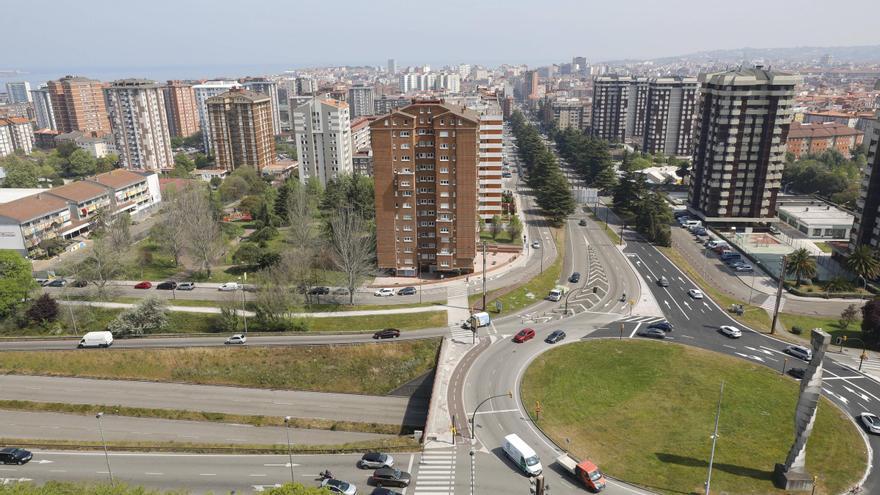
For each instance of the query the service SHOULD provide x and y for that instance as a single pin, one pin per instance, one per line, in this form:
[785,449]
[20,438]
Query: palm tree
[801,265]
[863,262]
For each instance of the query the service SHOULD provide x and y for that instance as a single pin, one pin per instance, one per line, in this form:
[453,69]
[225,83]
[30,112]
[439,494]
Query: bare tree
[352,247]
[202,233]
[300,216]
[170,230]
[102,264]
[115,229]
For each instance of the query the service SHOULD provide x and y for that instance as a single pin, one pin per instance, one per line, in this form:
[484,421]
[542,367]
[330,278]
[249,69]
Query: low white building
[817,221]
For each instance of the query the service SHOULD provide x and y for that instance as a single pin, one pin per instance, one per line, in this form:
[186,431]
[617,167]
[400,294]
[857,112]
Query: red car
[143,285]
[524,335]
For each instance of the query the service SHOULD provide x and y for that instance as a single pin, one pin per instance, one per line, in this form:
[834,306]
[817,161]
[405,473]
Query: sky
[71,34]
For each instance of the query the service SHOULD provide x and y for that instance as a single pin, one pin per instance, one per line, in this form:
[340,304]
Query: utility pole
[778,297]
[714,440]
[484,275]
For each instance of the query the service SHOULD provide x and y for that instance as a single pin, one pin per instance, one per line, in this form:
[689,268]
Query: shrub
[145,318]
[43,310]
[797,330]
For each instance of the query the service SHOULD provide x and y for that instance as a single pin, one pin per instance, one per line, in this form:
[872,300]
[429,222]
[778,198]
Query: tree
[683,169]
[228,321]
[514,227]
[233,188]
[800,264]
[300,215]
[103,263]
[20,173]
[871,317]
[352,247]
[848,316]
[555,198]
[652,217]
[273,298]
[606,179]
[496,225]
[247,253]
[147,317]
[81,163]
[170,229]
[106,163]
[43,310]
[115,229]
[863,262]
[201,229]
[16,281]
[183,166]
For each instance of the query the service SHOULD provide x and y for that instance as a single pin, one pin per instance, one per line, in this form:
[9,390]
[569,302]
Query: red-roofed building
[816,138]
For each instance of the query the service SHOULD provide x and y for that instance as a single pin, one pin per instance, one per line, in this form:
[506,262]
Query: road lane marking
[498,411]
[634,329]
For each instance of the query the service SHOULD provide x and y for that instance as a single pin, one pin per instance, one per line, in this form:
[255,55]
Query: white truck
[96,339]
[557,293]
[478,320]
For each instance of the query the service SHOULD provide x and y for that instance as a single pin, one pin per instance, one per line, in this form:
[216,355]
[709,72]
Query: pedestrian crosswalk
[462,335]
[640,319]
[436,474]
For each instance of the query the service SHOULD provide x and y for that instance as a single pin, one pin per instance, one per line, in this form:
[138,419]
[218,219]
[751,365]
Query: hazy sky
[300,33]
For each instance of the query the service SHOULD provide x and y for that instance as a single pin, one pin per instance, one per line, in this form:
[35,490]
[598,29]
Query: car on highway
[236,339]
[524,335]
[662,325]
[652,333]
[14,455]
[575,277]
[743,267]
[384,292]
[229,287]
[375,460]
[339,486]
[555,336]
[390,476]
[167,285]
[388,333]
[730,331]
[58,282]
[79,283]
[663,282]
[384,491]
[582,223]
[798,373]
[143,285]
[406,291]
[186,286]
[800,352]
[536,245]
[871,422]
[319,291]
[695,293]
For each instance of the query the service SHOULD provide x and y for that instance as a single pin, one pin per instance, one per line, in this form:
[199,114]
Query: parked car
[730,331]
[536,245]
[662,325]
[167,285]
[800,352]
[871,422]
[384,292]
[339,486]
[555,336]
[229,286]
[375,460]
[695,293]
[406,291]
[79,283]
[575,277]
[743,267]
[58,282]
[319,291]
[186,286]
[388,333]
[774,230]
[14,455]
[582,223]
[236,339]
[653,333]
[798,373]
[524,335]
[390,476]
[143,285]
[384,491]
[663,282]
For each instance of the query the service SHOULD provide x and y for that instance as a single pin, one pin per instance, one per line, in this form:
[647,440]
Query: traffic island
[644,412]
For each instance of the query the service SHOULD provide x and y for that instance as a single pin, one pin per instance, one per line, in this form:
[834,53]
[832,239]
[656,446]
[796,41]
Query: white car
[384,292]
[731,332]
[229,286]
[236,339]
[339,486]
[536,245]
[695,293]
[800,352]
[871,422]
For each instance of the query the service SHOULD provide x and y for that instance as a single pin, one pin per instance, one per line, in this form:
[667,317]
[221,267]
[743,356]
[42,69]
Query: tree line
[829,174]
[50,168]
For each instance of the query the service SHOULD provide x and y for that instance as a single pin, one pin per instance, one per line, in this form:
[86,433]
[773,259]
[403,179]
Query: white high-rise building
[464,70]
[450,83]
[416,82]
[392,66]
[203,92]
[322,130]
[139,124]
[360,101]
[43,109]
[19,92]
[269,88]
[16,133]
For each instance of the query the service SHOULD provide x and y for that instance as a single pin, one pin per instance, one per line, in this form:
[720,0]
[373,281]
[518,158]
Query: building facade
[78,105]
[204,91]
[669,116]
[97,146]
[322,130]
[360,101]
[43,112]
[866,226]
[181,109]
[567,113]
[392,66]
[360,133]
[816,138]
[269,88]
[140,125]
[425,168]
[240,129]
[16,134]
[19,92]
[739,153]
[619,108]
[387,104]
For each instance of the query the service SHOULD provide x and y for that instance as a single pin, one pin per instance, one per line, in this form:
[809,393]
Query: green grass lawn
[830,325]
[823,246]
[356,369]
[644,416]
[615,238]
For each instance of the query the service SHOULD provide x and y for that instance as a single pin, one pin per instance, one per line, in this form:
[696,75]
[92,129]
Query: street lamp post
[474,415]
[104,443]
[289,452]
[243,300]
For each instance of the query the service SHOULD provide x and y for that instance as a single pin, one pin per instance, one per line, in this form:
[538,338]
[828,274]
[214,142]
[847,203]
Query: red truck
[585,471]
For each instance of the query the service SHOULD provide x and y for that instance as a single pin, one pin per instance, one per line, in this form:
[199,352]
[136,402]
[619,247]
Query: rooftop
[820,130]
[118,178]
[79,191]
[30,207]
[819,213]
[239,94]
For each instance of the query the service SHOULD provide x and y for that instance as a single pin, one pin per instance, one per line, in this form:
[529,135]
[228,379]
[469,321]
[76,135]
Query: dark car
[58,282]
[391,477]
[652,333]
[406,291]
[582,223]
[797,373]
[555,337]
[575,277]
[384,491]
[388,333]
[662,325]
[167,285]
[13,455]
[375,460]
[663,282]
[319,291]
[79,283]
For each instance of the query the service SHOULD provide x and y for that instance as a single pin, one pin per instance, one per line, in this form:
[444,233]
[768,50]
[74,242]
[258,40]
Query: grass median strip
[213,417]
[357,369]
[607,229]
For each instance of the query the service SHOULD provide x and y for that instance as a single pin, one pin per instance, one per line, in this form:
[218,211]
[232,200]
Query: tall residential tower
[322,130]
[140,125]
[240,129]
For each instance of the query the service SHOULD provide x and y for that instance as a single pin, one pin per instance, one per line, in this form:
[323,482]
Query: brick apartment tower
[180,105]
[240,129]
[426,157]
[743,120]
[78,104]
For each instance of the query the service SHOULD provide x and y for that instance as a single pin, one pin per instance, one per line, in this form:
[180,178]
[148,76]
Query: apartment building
[866,226]
[269,88]
[567,113]
[322,130]
[449,83]
[360,101]
[360,133]
[240,129]
[43,112]
[181,108]
[742,125]
[425,167]
[19,92]
[78,105]
[530,85]
[816,138]
[362,162]
[140,124]
[204,91]
[619,108]
[669,115]
[392,66]
[16,133]
[97,146]
[387,104]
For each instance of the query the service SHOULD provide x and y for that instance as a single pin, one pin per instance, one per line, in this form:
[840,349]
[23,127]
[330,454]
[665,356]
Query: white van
[522,455]
[96,339]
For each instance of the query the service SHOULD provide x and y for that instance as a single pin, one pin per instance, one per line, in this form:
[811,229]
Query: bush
[265,234]
[145,318]
[228,321]
[797,330]
[43,310]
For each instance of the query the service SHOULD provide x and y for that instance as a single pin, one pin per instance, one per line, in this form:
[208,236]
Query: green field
[371,369]
[644,411]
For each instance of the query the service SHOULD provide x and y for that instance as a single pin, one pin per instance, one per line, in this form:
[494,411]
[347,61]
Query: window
[444,146]
[444,133]
[444,182]
[407,239]
[444,170]
[407,193]
[405,158]
[404,146]
[444,158]
[404,133]
[444,230]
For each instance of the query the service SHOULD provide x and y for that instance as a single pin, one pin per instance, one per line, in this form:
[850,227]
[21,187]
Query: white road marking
[634,329]
[498,411]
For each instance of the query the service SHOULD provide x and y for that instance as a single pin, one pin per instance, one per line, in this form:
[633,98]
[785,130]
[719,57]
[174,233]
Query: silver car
[375,460]
[339,486]
[731,332]
[871,422]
